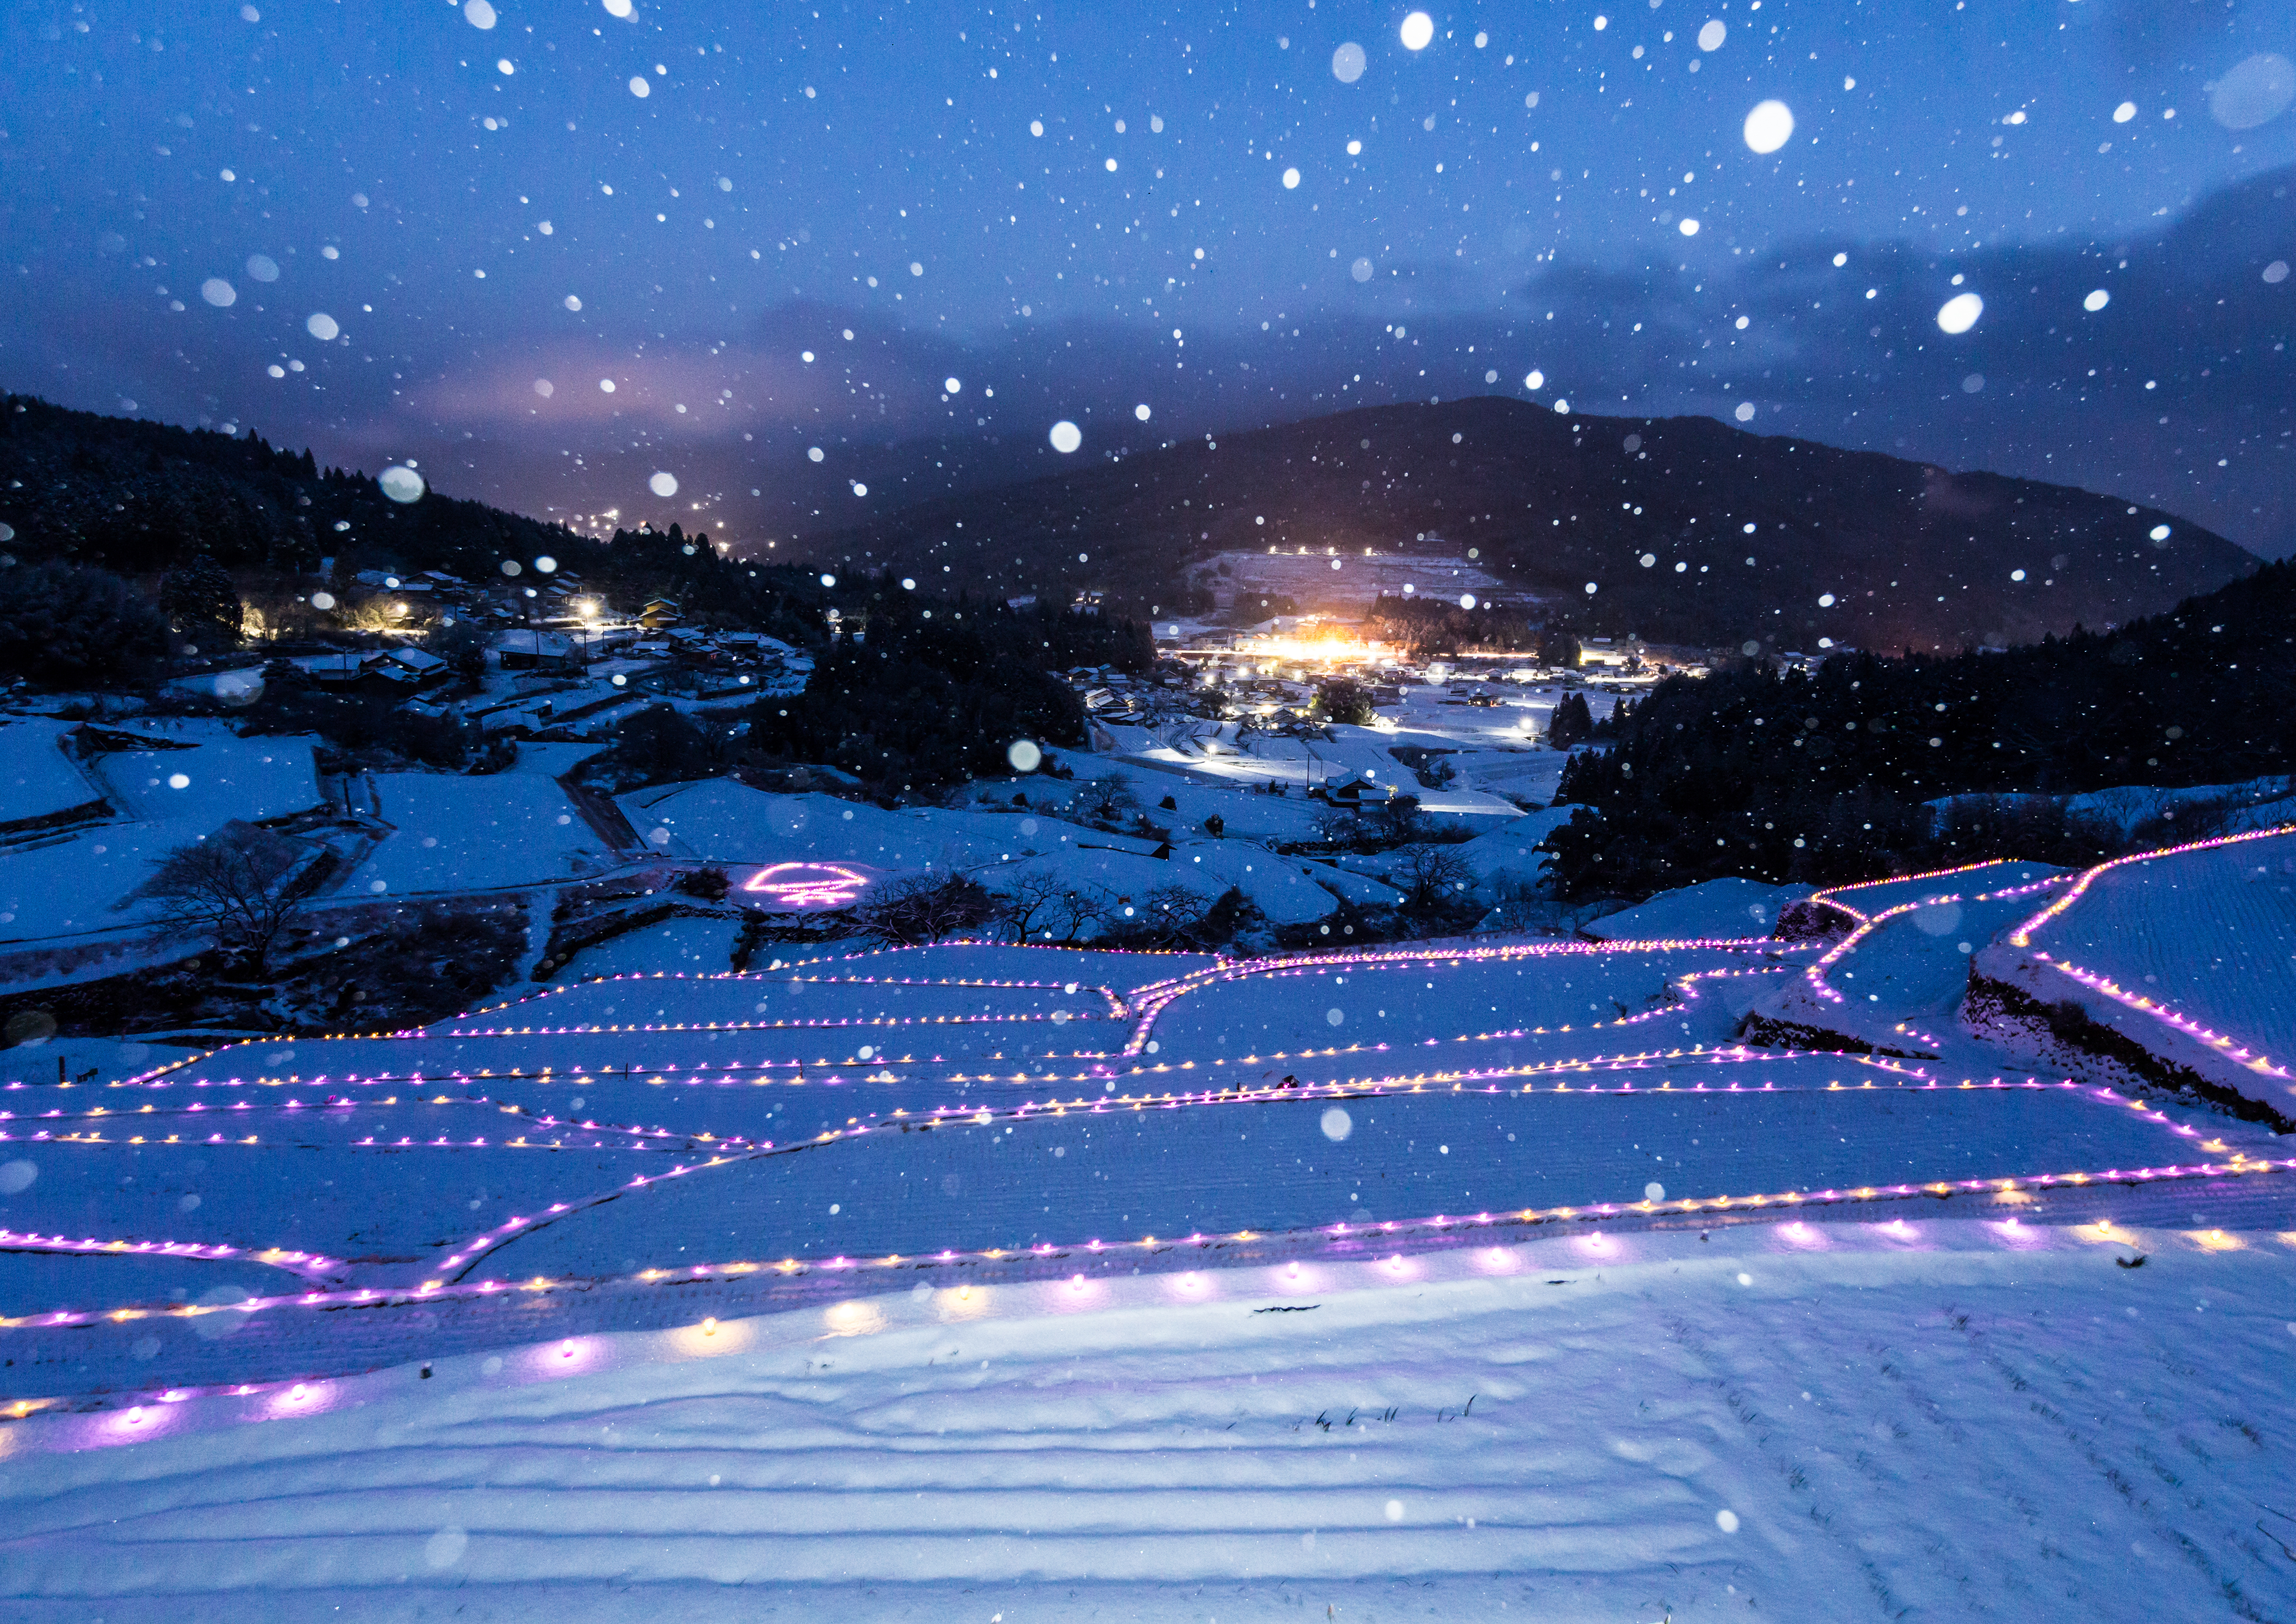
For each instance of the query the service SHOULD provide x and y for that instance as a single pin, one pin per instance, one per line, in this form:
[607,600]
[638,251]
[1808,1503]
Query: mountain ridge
[1859,547]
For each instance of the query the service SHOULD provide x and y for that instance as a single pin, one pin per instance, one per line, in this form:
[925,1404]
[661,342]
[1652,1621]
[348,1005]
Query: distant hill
[1911,555]
[1873,765]
[140,498]
[137,497]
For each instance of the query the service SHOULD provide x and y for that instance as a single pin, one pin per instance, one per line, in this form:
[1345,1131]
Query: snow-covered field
[1496,754]
[687,946]
[457,834]
[1790,1423]
[427,834]
[38,779]
[716,820]
[1897,980]
[2190,954]
[1718,907]
[978,1281]
[162,798]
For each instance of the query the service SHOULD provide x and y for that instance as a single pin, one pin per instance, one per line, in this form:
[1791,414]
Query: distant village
[556,661]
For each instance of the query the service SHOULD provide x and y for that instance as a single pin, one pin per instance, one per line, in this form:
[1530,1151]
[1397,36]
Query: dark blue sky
[1075,212]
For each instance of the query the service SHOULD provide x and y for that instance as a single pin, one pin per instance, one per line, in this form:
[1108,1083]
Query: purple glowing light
[800,886]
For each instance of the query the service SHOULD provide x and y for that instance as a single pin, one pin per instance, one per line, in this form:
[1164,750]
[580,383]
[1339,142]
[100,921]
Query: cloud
[2184,366]
[2041,386]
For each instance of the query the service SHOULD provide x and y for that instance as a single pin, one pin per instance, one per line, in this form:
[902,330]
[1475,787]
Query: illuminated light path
[1684,990]
[285,1378]
[287,1122]
[2249,1057]
[1153,999]
[449,1273]
[1086,1086]
[308,1264]
[1813,975]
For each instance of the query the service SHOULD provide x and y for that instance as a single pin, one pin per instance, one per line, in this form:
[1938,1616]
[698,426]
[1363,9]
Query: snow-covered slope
[1897,982]
[1933,1422]
[680,946]
[37,780]
[163,798]
[2188,954]
[1718,908]
[718,820]
[969,1280]
[459,834]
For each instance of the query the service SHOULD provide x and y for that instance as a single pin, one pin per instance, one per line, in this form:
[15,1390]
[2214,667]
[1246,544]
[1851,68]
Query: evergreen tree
[1573,724]
[201,605]
[64,625]
[1342,700]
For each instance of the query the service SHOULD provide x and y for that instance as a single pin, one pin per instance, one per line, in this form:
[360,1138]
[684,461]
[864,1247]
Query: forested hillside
[1824,776]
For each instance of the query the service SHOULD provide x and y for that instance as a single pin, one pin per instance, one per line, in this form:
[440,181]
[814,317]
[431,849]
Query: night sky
[435,231]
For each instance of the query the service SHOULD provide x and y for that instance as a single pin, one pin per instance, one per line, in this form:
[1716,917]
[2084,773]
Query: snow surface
[969,1281]
[223,778]
[637,1121]
[1246,813]
[1095,967]
[1052,1179]
[1513,849]
[37,1283]
[2191,954]
[1935,1424]
[1716,908]
[36,778]
[1411,1000]
[460,834]
[84,883]
[1899,984]
[550,761]
[720,821]
[716,820]
[91,1059]
[1287,892]
[1872,897]
[675,945]
[1222,752]
[1496,766]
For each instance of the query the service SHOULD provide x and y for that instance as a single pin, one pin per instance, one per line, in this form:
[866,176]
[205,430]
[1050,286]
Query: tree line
[1838,774]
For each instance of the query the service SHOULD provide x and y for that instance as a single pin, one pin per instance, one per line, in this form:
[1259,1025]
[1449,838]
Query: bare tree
[1106,799]
[1521,907]
[1339,825]
[1398,817]
[1428,875]
[915,909]
[1040,905]
[1171,915]
[236,886]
